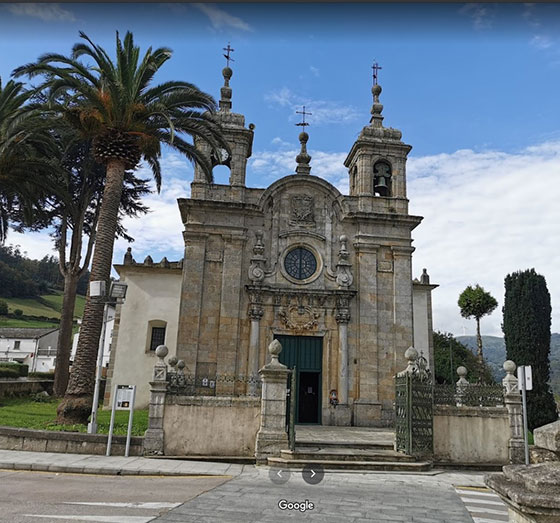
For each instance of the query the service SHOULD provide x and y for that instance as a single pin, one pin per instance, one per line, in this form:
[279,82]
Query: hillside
[495,354]
[41,311]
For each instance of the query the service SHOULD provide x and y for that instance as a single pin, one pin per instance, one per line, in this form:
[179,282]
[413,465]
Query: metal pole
[524,397]
[112,425]
[92,425]
[130,415]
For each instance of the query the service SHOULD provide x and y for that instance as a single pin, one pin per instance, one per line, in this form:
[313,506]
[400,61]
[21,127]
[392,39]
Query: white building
[35,347]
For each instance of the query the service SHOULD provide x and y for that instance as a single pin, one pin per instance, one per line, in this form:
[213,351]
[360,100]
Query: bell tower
[377,160]
[238,137]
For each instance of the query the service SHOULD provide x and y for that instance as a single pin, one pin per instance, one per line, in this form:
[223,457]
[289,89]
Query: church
[329,275]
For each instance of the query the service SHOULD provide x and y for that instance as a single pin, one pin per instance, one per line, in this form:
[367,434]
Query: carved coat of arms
[302,209]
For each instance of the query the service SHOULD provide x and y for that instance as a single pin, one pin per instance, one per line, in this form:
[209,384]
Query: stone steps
[345,454]
[392,466]
[353,445]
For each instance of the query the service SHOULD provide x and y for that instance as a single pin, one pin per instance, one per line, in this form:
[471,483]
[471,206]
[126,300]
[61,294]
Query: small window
[158,337]
[17,344]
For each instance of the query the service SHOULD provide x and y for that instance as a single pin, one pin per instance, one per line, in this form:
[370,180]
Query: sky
[473,88]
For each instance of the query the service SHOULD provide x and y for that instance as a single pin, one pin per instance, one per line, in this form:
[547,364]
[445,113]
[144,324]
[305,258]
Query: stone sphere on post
[509,366]
[462,372]
[411,354]
[275,348]
[172,361]
[162,351]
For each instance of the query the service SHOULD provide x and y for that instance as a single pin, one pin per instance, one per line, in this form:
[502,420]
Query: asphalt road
[41,497]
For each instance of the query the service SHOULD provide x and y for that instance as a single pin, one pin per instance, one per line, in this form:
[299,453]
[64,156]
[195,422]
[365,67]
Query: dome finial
[225,91]
[303,157]
[377,107]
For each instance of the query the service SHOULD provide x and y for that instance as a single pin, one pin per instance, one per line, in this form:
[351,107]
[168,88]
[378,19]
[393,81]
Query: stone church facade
[329,275]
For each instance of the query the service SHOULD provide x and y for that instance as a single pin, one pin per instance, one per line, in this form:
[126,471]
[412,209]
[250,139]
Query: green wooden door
[306,354]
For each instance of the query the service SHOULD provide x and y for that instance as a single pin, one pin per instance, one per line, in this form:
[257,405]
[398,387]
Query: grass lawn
[14,322]
[29,414]
[55,301]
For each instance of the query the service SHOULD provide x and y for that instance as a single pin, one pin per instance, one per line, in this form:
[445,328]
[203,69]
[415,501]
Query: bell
[381,186]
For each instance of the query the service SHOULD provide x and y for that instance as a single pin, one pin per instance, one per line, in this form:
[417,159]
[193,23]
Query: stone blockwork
[236,294]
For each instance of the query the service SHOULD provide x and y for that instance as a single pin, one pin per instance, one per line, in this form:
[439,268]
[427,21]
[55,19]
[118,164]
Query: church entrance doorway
[306,354]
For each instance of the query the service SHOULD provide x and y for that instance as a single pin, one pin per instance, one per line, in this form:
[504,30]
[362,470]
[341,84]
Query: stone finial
[180,365]
[148,261]
[162,351]
[128,259]
[164,262]
[172,361]
[411,355]
[344,276]
[303,159]
[160,368]
[425,278]
[226,91]
[462,373]
[274,349]
[510,381]
[377,107]
[257,267]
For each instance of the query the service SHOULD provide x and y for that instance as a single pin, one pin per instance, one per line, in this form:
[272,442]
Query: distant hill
[495,354]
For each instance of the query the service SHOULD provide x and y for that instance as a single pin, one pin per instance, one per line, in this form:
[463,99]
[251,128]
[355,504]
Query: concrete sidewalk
[113,465]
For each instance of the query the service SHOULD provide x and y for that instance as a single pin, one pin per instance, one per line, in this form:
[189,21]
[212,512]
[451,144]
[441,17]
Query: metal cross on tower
[228,50]
[303,123]
[376,69]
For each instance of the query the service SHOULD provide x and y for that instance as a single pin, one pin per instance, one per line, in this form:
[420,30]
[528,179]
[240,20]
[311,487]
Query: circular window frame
[318,258]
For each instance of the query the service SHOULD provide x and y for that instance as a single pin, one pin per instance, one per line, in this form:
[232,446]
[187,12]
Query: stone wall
[24,387]
[471,435]
[66,442]
[210,426]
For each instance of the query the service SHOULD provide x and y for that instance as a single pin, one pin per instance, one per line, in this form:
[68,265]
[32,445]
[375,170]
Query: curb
[106,471]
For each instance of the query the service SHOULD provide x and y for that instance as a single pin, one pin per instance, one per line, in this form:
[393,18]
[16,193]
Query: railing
[46,352]
[192,385]
[469,395]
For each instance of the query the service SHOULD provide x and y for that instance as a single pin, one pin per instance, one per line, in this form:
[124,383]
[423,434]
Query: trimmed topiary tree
[526,326]
[3,308]
[475,302]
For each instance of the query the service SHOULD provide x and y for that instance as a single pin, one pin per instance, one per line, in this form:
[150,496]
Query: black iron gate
[291,408]
[414,424]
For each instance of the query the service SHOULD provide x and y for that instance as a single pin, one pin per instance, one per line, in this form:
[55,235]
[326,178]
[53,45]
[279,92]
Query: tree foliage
[450,354]
[475,302]
[526,326]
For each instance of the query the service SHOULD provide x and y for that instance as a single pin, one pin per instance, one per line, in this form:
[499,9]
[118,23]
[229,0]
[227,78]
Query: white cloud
[479,14]
[46,12]
[314,70]
[220,18]
[322,111]
[542,41]
[486,215]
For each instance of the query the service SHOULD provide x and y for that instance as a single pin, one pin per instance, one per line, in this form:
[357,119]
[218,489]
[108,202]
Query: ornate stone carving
[342,315]
[256,269]
[344,276]
[302,210]
[300,317]
[255,312]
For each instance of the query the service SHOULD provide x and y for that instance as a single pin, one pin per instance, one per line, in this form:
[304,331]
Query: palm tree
[113,103]
[24,149]
[74,211]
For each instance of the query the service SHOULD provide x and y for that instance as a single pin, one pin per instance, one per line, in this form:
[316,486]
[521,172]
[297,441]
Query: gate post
[512,400]
[272,437]
[153,437]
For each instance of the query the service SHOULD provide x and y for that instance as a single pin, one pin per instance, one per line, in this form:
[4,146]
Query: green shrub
[18,312]
[8,373]
[3,307]
[21,369]
[42,375]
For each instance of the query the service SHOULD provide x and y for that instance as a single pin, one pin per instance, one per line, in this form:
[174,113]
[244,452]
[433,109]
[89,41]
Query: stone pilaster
[513,402]
[255,314]
[272,436]
[154,436]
